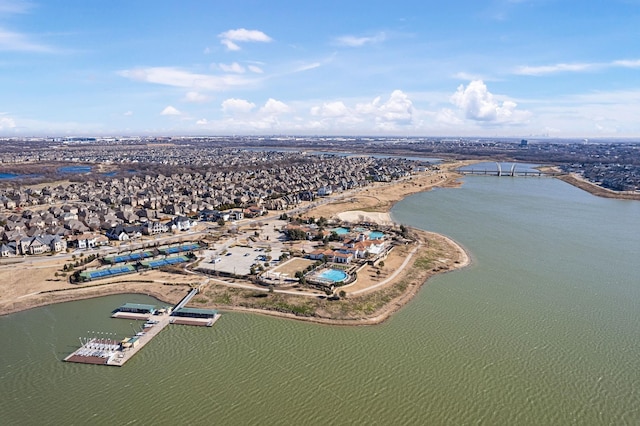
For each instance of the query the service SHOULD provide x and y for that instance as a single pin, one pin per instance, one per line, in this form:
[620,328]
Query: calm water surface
[543,328]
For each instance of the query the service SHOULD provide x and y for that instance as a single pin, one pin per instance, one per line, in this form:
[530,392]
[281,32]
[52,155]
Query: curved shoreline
[412,278]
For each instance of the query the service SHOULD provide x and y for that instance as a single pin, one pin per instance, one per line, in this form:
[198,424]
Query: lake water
[543,328]
[74,169]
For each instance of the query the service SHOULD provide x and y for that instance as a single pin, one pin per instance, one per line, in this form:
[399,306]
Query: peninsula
[381,287]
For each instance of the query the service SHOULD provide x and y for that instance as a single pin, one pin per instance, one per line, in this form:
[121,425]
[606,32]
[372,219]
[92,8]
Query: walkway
[392,276]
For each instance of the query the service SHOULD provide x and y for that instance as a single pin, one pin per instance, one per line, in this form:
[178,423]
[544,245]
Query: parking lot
[238,260]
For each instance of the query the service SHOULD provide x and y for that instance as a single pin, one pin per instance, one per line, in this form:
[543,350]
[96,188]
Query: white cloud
[448,117]
[353,41]
[202,122]
[232,105]
[307,67]
[466,76]
[230,45]
[256,69]
[179,78]
[169,110]
[234,67]
[398,109]
[231,37]
[11,41]
[635,63]
[275,107]
[575,67]
[195,97]
[7,123]
[477,103]
[128,114]
[550,69]
[330,109]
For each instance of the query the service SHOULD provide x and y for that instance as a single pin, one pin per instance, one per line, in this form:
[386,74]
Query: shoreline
[166,287]
[598,191]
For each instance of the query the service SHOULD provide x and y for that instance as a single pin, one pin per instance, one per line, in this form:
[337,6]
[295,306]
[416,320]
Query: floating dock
[117,353]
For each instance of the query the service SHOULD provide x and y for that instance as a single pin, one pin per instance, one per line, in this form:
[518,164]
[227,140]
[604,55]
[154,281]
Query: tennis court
[128,257]
[157,263]
[107,272]
[179,249]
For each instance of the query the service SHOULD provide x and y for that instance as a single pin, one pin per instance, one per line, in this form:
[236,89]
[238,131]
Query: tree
[381,264]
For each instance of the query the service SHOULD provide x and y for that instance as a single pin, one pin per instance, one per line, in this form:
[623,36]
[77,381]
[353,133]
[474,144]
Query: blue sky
[513,68]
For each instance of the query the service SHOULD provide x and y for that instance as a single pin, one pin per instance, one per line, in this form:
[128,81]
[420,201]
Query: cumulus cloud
[233,105]
[202,122]
[477,103]
[195,97]
[275,107]
[330,109]
[231,38]
[169,110]
[256,69]
[398,109]
[177,77]
[353,41]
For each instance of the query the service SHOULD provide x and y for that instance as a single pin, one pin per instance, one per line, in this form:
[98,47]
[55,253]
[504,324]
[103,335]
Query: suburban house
[41,244]
[124,233]
[331,256]
[86,241]
[181,223]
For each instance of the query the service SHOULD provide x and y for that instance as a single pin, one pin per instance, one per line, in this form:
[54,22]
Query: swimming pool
[341,231]
[376,235]
[334,275]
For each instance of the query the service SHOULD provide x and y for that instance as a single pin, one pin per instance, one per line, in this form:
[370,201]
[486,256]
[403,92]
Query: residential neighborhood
[230,186]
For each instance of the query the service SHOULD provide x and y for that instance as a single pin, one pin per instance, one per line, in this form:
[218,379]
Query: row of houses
[273,180]
[47,243]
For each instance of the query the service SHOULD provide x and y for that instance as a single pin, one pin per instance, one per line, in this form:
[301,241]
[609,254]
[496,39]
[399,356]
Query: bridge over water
[499,170]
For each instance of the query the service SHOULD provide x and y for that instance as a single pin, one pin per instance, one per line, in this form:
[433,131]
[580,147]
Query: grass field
[292,266]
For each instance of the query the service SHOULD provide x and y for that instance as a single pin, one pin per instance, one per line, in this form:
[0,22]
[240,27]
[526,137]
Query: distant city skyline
[494,68]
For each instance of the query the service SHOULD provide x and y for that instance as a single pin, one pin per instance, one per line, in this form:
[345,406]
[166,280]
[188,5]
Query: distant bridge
[512,172]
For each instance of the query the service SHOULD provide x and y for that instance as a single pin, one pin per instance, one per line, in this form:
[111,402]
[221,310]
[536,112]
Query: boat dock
[118,352]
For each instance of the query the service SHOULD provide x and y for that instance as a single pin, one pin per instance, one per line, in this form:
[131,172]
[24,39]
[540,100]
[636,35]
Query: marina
[113,352]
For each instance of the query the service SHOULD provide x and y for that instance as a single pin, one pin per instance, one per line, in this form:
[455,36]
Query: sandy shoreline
[35,282]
